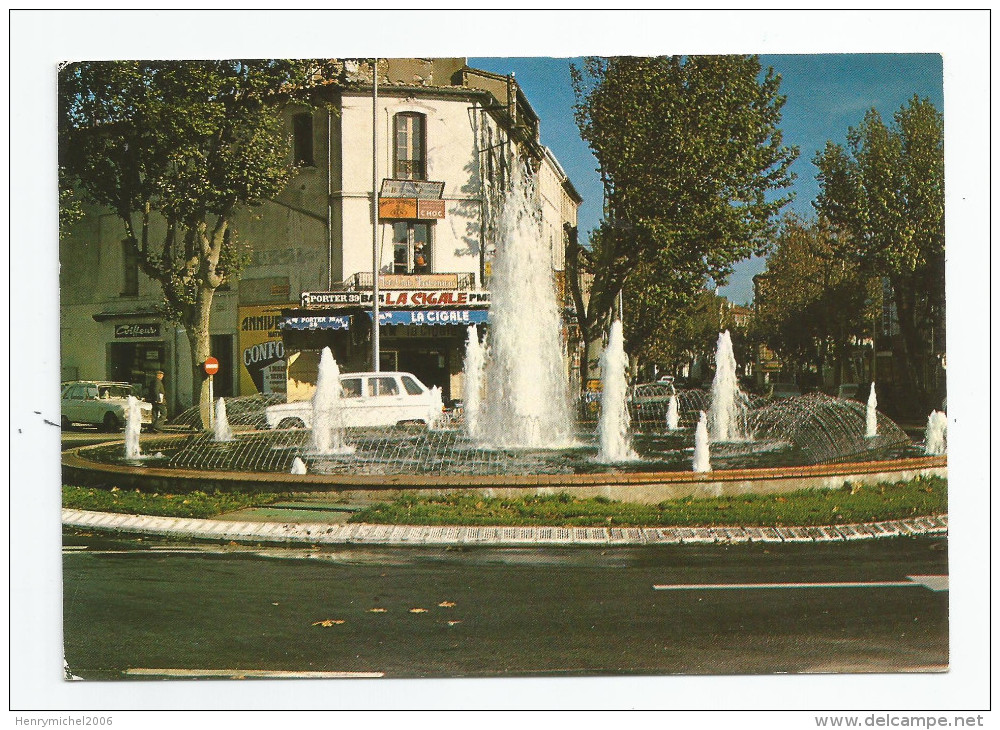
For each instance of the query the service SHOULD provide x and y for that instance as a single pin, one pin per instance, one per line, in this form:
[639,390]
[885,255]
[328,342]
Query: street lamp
[375,303]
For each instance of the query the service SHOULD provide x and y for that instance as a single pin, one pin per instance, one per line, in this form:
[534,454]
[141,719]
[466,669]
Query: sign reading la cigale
[400,298]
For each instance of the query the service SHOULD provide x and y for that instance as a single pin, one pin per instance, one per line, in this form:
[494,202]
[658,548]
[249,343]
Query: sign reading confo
[262,352]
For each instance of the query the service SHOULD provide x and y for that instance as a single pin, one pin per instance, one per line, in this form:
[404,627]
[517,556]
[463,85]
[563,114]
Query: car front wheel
[111,422]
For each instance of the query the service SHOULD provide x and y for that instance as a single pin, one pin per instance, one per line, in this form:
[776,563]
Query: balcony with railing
[463,280]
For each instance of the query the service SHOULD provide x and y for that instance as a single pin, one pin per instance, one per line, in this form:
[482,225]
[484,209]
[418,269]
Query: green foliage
[193,504]
[885,193]
[812,301]
[70,212]
[664,327]
[852,504]
[689,150]
[188,140]
[175,149]
[886,190]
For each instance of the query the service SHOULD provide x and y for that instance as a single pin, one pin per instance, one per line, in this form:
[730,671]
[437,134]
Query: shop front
[429,343]
[135,352]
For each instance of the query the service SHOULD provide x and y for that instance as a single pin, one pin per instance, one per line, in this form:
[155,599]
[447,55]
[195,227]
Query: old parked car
[785,390]
[101,403]
[850,391]
[650,400]
[368,399]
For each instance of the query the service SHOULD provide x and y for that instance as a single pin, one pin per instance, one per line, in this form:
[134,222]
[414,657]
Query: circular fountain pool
[810,441]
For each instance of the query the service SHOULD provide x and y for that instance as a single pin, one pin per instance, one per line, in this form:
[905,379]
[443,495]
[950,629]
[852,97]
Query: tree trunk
[197,325]
[913,350]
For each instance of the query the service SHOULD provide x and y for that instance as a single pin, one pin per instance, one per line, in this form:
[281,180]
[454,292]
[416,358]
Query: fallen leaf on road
[376,610]
[452,623]
[446,604]
[418,610]
[274,604]
[329,622]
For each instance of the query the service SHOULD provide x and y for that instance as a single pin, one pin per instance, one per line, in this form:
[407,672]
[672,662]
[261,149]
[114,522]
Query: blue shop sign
[433,316]
[332,322]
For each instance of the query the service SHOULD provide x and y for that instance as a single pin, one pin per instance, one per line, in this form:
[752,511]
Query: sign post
[211,368]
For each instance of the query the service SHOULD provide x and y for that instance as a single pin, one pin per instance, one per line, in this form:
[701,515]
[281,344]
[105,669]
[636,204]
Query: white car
[368,399]
[99,403]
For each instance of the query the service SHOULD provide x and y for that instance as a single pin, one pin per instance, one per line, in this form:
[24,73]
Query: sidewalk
[340,533]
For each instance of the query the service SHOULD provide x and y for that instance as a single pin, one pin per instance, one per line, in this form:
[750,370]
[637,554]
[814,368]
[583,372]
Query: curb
[313,533]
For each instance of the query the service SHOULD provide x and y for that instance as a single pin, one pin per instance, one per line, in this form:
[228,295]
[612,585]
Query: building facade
[446,138]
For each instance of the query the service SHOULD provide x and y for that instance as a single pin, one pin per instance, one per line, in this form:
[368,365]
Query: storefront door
[135,363]
[221,347]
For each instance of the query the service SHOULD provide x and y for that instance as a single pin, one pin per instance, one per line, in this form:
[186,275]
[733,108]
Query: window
[350,388]
[411,386]
[411,248]
[411,158]
[130,270]
[382,386]
[302,131]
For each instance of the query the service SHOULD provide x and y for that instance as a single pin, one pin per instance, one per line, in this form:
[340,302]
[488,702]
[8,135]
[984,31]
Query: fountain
[701,462]
[472,396]
[526,403]
[520,432]
[436,408]
[221,428]
[871,422]
[936,434]
[613,437]
[727,415]
[673,420]
[327,429]
[133,427]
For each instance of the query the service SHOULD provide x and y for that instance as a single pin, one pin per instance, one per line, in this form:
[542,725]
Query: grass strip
[191,504]
[847,505]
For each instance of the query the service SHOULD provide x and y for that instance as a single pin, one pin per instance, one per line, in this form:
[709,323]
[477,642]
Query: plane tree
[885,192]
[691,157]
[175,149]
[813,305]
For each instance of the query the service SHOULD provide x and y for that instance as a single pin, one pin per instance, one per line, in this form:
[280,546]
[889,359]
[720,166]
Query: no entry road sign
[211,366]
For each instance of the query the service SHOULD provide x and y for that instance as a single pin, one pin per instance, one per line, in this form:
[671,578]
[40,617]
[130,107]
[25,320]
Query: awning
[433,316]
[327,322]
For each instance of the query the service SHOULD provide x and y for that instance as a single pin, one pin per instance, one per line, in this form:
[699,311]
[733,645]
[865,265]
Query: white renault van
[368,399]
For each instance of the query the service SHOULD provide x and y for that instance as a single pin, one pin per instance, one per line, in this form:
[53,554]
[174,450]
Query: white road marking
[249,673]
[932,582]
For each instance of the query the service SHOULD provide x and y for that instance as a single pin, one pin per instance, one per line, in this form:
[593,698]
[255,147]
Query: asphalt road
[137,609]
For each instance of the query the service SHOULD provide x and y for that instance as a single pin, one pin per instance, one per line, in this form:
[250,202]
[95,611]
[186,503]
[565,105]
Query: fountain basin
[80,467]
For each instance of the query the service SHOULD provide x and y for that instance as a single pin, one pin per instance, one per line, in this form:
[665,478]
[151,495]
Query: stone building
[447,136]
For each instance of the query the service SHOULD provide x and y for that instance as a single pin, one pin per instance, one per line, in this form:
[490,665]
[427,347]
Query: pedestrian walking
[159,403]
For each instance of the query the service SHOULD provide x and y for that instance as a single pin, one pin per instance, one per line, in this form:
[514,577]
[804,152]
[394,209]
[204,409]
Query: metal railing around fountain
[812,429]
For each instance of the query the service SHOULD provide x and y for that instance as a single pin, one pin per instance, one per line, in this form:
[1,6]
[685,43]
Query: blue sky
[827,93]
